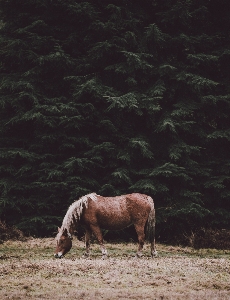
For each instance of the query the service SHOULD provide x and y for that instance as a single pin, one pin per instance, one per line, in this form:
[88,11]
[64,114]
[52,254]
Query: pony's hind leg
[141,238]
[153,248]
[97,232]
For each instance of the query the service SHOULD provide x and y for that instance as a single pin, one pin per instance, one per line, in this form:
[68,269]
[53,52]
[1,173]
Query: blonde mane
[74,213]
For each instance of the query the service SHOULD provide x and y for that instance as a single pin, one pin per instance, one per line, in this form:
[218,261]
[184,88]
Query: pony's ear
[59,229]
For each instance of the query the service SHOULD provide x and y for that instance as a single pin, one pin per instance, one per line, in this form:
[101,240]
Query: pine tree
[114,98]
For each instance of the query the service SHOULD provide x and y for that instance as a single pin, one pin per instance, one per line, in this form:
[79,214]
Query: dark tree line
[115,97]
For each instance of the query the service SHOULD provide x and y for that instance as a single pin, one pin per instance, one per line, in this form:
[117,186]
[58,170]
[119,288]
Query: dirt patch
[29,271]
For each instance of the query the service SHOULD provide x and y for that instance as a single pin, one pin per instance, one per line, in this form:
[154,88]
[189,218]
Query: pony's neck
[72,227]
[69,222]
[75,211]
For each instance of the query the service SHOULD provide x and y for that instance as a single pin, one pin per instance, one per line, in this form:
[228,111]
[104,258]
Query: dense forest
[115,97]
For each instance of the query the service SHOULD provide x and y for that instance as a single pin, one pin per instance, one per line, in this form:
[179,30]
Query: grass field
[29,271]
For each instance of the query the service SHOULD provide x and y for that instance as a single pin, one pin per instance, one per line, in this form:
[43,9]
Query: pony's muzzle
[58,255]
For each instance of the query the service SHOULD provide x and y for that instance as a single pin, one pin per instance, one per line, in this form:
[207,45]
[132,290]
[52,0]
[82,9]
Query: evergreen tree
[115,98]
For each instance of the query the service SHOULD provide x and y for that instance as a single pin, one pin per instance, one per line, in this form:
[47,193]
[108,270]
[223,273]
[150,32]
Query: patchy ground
[29,271]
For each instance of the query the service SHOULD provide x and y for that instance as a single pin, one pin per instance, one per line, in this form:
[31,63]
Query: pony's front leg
[88,234]
[97,232]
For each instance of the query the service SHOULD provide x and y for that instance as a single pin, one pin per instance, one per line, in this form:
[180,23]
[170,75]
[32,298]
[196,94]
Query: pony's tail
[150,224]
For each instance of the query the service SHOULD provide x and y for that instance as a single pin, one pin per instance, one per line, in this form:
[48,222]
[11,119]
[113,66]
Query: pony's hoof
[86,255]
[154,254]
[139,255]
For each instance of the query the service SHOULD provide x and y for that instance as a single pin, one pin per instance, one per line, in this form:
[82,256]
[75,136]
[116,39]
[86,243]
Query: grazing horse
[113,213]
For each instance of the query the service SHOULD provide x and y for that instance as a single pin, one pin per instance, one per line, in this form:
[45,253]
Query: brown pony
[113,213]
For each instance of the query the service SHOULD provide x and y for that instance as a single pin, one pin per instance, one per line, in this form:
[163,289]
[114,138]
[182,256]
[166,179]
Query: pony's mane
[74,213]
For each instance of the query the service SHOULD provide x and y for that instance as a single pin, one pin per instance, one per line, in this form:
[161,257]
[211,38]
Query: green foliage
[114,98]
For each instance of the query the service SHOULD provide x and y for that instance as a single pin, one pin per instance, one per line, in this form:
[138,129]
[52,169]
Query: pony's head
[64,243]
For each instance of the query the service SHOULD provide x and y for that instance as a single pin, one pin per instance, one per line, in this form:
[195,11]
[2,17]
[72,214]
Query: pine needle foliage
[114,98]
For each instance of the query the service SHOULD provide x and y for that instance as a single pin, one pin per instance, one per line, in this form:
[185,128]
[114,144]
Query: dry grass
[29,271]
